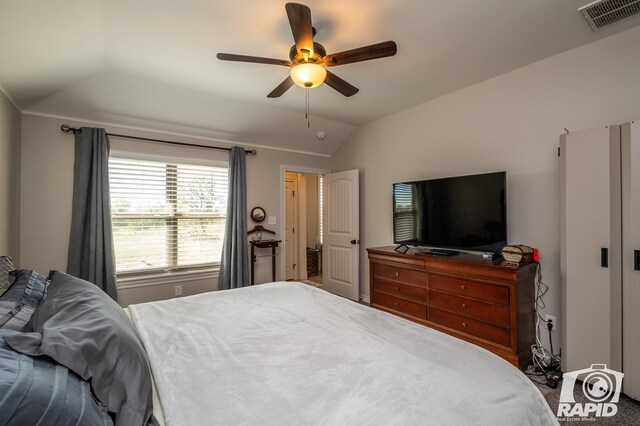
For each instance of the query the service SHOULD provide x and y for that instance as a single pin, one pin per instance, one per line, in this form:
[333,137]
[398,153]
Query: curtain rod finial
[66,129]
[251,151]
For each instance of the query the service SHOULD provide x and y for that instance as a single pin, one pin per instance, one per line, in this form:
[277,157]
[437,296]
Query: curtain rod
[66,129]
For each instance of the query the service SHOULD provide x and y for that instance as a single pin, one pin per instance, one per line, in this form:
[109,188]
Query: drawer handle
[397,274]
[397,304]
[464,324]
[464,306]
[464,287]
[397,288]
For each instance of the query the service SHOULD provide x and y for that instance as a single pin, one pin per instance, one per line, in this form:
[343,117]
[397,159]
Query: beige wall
[47,177]
[511,123]
[10,130]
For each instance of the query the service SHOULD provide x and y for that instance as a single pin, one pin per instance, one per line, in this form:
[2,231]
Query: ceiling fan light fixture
[308,58]
[308,75]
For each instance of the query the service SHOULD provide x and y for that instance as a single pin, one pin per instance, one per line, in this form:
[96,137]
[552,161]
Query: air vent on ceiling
[601,13]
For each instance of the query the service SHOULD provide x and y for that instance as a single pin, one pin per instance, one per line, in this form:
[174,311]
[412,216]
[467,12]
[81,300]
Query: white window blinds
[405,213]
[166,216]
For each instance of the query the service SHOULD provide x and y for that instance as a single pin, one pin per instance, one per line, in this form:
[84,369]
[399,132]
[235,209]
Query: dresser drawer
[406,291]
[489,332]
[397,273]
[496,315]
[398,304]
[486,292]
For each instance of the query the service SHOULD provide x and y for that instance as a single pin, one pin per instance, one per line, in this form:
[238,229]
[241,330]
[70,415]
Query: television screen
[463,213]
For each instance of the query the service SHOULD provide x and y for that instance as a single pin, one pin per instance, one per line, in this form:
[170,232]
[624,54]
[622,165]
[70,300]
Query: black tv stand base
[441,252]
[399,248]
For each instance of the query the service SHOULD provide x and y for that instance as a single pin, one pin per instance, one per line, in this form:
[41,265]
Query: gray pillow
[82,328]
[20,301]
[40,391]
[6,266]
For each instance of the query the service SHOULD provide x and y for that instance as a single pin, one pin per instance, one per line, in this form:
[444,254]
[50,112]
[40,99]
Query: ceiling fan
[308,59]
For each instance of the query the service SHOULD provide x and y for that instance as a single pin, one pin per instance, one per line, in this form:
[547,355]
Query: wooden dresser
[489,303]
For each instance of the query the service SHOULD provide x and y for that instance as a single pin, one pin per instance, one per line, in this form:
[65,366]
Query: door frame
[291,169]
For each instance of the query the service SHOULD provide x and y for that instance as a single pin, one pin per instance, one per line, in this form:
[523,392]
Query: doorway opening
[303,232]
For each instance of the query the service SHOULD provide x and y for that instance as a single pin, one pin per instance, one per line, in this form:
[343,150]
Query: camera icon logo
[600,386]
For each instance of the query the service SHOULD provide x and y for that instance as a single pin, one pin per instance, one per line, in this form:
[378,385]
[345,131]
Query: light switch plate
[272,220]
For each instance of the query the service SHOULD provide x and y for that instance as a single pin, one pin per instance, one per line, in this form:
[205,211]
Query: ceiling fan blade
[282,87]
[366,53]
[300,21]
[340,85]
[252,59]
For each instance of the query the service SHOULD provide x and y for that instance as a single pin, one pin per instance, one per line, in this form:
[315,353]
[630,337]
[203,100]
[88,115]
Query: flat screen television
[460,213]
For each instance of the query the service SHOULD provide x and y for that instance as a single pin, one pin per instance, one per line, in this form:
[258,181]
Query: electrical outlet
[178,290]
[271,220]
[551,319]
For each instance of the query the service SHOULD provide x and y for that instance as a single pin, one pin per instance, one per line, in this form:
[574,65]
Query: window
[405,212]
[166,216]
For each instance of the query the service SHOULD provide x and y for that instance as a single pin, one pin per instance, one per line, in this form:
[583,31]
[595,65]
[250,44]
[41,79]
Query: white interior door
[341,234]
[290,219]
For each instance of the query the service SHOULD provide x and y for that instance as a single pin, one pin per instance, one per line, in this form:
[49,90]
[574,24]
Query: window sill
[144,280]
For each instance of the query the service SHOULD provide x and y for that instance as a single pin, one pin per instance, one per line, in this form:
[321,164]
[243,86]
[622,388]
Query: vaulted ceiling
[152,63]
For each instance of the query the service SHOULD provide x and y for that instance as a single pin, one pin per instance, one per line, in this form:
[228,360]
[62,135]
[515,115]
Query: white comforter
[289,354]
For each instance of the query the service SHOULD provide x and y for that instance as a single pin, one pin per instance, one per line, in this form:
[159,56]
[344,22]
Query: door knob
[355,241]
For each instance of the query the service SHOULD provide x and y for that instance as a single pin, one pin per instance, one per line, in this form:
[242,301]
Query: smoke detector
[603,13]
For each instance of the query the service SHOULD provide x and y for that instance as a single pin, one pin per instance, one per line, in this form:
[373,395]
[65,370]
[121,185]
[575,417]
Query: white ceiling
[151,63]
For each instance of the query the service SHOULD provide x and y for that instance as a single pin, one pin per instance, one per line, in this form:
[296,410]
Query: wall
[47,177]
[10,131]
[294,218]
[511,123]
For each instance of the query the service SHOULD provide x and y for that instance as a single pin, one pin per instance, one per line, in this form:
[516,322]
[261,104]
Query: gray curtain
[91,242]
[234,265]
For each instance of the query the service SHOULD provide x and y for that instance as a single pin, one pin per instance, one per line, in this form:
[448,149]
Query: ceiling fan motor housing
[319,53]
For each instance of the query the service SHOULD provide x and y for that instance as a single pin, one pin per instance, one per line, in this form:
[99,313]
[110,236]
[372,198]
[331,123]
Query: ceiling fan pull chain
[306,113]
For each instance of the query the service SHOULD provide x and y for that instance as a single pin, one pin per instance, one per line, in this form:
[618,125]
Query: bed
[288,353]
[280,353]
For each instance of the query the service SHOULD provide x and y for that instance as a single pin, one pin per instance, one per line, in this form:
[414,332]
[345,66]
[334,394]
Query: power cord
[545,362]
